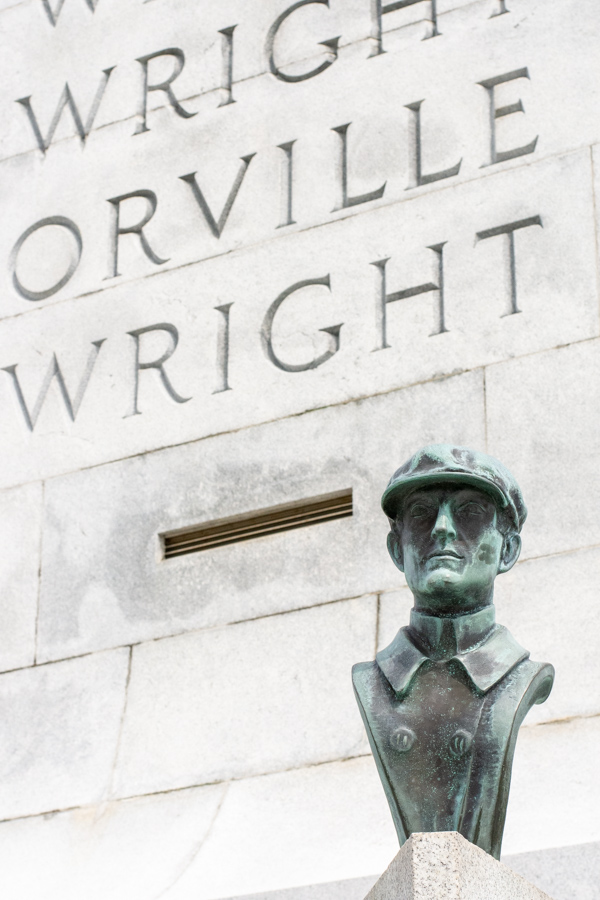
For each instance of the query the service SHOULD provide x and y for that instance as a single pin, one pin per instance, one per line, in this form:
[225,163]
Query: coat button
[403,738]
[460,743]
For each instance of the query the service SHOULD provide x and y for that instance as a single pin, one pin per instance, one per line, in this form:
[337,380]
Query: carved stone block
[442,865]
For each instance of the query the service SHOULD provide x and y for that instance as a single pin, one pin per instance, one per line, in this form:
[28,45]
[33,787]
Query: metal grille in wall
[337,505]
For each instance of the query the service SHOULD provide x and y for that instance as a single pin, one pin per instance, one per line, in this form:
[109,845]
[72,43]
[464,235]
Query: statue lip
[441,554]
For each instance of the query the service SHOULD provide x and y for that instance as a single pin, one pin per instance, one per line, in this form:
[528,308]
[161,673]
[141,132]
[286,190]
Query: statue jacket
[442,705]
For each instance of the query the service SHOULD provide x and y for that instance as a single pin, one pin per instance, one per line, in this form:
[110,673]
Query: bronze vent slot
[258,524]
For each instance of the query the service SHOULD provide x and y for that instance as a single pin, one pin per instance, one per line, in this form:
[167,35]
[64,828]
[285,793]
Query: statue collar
[443,637]
[486,651]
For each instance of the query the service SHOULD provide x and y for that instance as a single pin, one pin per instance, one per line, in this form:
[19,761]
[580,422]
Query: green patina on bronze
[442,705]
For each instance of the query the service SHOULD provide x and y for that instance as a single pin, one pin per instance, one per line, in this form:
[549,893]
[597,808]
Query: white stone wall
[186,728]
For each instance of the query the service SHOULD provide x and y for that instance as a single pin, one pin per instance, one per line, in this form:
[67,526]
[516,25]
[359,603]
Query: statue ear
[511,548]
[394,546]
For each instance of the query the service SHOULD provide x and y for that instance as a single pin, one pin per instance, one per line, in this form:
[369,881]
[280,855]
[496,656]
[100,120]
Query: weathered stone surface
[332,816]
[553,801]
[20,538]
[394,612]
[445,866]
[566,873]
[350,889]
[102,567]
[61,724]
[563,872]
[130,850]
[530,601]
[211,706]
[561,451]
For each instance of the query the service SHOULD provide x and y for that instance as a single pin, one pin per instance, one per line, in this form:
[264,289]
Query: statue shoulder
[365,676]
[536,679]
[363,670]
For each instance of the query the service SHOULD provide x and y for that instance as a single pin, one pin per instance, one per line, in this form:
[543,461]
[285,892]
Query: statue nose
[444,524]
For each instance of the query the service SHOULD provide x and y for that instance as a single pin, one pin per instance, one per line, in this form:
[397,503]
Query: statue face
[451,549]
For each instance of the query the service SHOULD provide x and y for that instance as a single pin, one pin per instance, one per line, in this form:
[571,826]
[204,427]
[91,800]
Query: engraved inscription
[287,184]
[509,231]
[227,73]
[158,364]
[54,372]
[438,249]
[61,222]
[164,86]
[330,45]
[379,9]
[345,200]
[498,112]
[223,348]
[501,9]
[117,229]
[308,168]
[267,330]
[417,177]
[215,226]
[148,354]
[53,14]
[293,71]
[66,100]
[383,298]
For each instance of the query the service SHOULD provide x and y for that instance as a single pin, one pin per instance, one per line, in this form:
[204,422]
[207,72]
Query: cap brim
[395,492]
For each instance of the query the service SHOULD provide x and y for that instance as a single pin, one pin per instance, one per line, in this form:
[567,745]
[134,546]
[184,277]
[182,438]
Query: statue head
[455,519]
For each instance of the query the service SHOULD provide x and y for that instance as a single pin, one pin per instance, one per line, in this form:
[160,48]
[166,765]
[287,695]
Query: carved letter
[287,184]
[117,230]
[66,99]
[346,201]
[489,84]
[227,56]
[62,222]
[385,298]
[509,231]
[417,177]
[54,371]
[501,9]
[165,86]
[331,45]
[217,227]
[157,364]
[267,330]
[53,15]
[223,348]
[378,9]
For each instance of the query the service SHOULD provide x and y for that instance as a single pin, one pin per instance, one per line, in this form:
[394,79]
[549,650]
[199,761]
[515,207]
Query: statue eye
[419,509]
[471,509]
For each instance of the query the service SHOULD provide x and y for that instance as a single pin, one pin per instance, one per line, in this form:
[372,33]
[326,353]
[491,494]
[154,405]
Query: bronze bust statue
[442,704]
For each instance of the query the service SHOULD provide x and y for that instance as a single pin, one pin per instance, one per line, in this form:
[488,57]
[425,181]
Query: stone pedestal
[443,865]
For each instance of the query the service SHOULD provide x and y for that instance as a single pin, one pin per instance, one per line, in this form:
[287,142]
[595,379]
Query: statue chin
[443,578]
[441,584]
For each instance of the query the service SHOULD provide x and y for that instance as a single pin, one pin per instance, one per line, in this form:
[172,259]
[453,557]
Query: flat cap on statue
[449,463]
